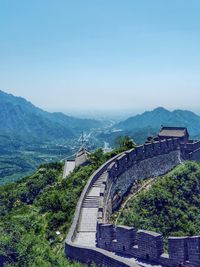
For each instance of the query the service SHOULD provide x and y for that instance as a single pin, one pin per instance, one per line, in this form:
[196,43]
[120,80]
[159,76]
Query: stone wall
[145,161]
[195,155]
[149,246]
[147,168]
[95,255]
[149,160]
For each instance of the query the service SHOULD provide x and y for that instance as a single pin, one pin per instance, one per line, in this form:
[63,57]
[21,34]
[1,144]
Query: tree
[125,143]
[97,157]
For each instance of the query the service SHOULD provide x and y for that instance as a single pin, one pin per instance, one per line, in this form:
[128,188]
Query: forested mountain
[141,126]
[30,136]
[161,116]
[20,119]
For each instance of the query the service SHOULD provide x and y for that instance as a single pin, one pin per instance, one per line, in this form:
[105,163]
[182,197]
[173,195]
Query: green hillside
[171,206]
[33,210]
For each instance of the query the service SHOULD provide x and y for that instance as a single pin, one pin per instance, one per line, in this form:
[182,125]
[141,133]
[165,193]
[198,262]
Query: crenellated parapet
[145,161]
[149,246]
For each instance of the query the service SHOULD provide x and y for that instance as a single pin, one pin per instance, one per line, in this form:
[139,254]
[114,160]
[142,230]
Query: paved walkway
[68,168]
[86,235]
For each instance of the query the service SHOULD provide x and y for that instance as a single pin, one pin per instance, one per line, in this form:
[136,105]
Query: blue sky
[101,54]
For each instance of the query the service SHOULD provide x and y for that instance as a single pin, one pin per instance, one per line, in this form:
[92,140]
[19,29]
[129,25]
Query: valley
[30,136]
[18,162]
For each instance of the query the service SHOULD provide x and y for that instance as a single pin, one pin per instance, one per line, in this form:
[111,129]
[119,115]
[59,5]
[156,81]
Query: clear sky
[101,54]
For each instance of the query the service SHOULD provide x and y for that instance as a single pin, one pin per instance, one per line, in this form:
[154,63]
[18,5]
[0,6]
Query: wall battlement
[148,245]
[148,160]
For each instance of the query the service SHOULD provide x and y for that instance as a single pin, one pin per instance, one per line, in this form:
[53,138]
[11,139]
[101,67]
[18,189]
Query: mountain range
[161,116]
[30,136]
[149,123]
[20,119]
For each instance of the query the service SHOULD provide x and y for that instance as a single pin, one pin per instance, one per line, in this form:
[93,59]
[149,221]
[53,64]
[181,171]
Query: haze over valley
[31,136]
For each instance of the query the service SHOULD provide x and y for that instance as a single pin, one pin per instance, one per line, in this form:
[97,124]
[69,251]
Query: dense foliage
[18,162]
[171,206]
[33,210]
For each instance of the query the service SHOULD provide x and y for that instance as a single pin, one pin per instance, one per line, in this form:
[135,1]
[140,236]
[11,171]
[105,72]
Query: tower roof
[176,132]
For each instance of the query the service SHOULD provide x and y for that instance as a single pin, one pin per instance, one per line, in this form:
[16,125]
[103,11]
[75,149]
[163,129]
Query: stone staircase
[86,232]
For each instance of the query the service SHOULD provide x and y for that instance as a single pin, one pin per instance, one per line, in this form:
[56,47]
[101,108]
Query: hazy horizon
[111,113]
[101,55]
[106,114]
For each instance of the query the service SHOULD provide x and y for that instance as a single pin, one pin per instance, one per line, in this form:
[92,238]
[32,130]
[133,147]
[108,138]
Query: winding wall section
[90,239]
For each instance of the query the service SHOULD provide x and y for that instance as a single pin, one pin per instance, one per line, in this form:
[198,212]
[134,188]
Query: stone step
[88,220]
[91,202]
[94,192]
[88,201]
[90,206]
[91,198]
[97,184]
[99,181]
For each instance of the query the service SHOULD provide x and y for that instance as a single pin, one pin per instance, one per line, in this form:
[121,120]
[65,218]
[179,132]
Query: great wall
[92,239]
